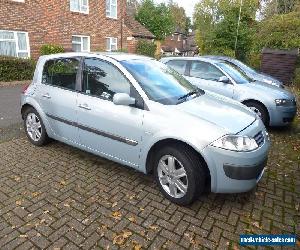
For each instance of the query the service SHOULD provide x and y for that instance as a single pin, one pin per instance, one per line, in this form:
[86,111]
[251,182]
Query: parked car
[275,106]
[138,112]
[250,72]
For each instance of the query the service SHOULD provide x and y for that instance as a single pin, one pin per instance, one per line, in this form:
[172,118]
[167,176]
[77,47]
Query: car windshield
[161,83]
[245,67]
[235,73]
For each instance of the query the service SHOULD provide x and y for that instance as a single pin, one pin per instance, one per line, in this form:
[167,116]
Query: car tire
[184,182]
[260,110]
[35,128]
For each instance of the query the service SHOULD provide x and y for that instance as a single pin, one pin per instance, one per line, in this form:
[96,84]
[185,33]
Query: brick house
[77,25]
[134,32]
[179,43]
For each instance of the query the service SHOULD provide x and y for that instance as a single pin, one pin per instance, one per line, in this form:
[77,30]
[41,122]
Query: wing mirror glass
[224,79]
[123,99]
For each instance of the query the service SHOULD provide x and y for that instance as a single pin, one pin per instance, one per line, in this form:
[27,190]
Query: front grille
[259,138]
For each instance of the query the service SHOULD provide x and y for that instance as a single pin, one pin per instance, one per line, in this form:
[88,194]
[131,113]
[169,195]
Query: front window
[81,43]
[103,79]
[205,70]
[111,44]
[235,73]
[79,6]
[111,8]
[160,83]
[14,43]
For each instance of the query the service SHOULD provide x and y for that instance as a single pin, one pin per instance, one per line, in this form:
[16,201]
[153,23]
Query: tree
[279,32]
[179,16]
[218,27]
[273,7]
[156,18]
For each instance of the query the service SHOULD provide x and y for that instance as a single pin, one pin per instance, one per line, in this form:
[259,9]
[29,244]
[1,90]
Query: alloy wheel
[33,127]
[172,176]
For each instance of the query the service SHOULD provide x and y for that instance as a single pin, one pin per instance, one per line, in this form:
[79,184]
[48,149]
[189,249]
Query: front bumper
[235,172]
[282,116]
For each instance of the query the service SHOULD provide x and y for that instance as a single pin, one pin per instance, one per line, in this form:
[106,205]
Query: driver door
[113,131]
[206,76]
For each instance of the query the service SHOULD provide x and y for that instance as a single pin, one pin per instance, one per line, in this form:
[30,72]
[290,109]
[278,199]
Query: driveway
[58,197]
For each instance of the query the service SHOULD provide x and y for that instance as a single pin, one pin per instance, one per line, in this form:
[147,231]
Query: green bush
[253,59]
[146,48]
[124,50]
[16,69]
[48,49]
[296,79]
[279,32]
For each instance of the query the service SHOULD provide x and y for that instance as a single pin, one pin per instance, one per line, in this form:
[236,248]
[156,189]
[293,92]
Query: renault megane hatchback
[140,113]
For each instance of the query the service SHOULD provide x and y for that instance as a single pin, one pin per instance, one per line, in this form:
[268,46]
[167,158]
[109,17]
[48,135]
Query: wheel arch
[170,141]
[260,103]
[31,103]
[24,108]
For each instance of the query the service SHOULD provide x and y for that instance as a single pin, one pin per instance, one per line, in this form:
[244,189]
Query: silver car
[250,72]
[139,112]
[275,106]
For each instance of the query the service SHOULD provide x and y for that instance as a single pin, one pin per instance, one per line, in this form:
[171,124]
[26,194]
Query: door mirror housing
[224,79]
[123,99]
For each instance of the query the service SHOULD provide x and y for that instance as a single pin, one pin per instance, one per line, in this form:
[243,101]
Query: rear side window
[205,71]
[178,65]
[61,72]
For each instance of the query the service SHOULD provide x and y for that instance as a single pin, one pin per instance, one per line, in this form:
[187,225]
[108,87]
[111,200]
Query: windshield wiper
[193,92]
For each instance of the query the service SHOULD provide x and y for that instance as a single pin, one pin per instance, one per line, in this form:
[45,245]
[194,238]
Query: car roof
[191,58]
[118,56]
[225,58]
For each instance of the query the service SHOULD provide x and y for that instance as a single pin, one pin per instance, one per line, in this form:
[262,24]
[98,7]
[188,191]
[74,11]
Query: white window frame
[110,5]
[80,7]
[20,1]
[16,40]
[81,42]
[111,43]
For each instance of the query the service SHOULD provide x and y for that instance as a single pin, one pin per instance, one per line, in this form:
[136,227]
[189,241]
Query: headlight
[282,102]
[236,143]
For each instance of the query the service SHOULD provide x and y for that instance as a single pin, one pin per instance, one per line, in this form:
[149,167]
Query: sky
[188,5]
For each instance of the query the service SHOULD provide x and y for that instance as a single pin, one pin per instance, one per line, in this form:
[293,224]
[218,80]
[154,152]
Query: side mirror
[123,99]
[224,79]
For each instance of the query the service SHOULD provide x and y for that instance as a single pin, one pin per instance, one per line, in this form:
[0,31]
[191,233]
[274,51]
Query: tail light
[24,88]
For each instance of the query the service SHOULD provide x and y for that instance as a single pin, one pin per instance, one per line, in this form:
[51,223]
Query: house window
[111,8]
[81,6]
[14,43]
[111,44]
[172,37]
[21,1]
[179,37]
[81,43]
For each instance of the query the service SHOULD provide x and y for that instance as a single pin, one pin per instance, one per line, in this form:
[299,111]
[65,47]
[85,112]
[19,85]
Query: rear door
[58,96]
[206,76]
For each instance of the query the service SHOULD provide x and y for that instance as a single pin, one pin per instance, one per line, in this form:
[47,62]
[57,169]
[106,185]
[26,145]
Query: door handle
[46,95]
[84,106]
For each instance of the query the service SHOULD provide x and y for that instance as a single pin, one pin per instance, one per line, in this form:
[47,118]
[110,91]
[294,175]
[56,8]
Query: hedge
[16,69]
[48,49]
[146,48]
